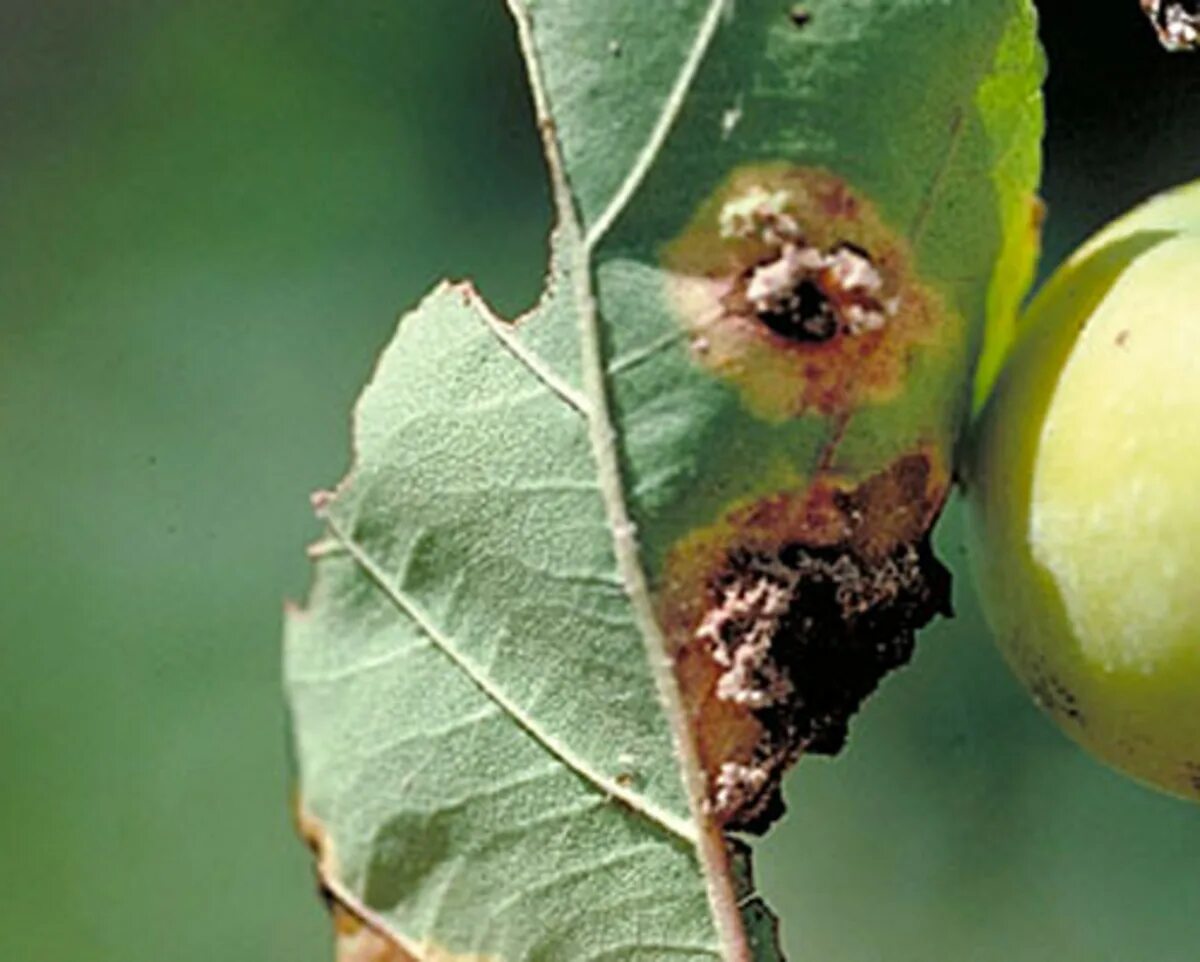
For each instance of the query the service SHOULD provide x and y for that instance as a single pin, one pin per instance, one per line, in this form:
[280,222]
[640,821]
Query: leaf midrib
[710,843]
[593,404]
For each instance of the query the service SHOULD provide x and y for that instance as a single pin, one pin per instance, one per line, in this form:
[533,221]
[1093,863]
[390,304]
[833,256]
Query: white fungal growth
[761,215]
[730,118]
[737,786]
[740,632]
[820,291]
[1182,28]
[852,271]
[1178,25]
[862,320]
[844,275]
[772,284]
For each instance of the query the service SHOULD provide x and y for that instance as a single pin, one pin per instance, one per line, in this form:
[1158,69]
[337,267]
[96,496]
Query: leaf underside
[492,755]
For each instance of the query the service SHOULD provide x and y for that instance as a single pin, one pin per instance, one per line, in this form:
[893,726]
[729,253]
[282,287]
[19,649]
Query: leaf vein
[665,820]
[581,872]
[505,333]
[937,181]
[662,126]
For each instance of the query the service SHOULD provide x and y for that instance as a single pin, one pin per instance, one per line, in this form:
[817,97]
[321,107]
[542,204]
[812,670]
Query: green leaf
[499,755]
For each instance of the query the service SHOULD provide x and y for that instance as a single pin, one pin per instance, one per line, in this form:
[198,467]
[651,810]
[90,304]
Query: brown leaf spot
[314,835]
[358,942]
[785,615]
[800,295]
[357,938]
[1037,219]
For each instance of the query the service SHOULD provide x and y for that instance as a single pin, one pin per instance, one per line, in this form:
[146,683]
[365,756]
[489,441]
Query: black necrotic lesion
[808,295]
[799,15]
[806,315]
[804,636]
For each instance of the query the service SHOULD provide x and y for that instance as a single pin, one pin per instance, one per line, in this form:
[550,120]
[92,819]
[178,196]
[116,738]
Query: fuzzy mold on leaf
[791,288]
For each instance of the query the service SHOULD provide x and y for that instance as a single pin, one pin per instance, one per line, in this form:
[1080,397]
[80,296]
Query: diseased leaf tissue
[599,575]
[1176,21]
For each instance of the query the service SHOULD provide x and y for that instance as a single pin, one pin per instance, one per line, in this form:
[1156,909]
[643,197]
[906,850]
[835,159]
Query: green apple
[1083,479]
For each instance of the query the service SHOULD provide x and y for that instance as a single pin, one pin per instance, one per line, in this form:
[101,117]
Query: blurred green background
[210,214]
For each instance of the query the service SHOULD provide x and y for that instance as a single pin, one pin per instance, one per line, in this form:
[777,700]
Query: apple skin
[1083,489]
